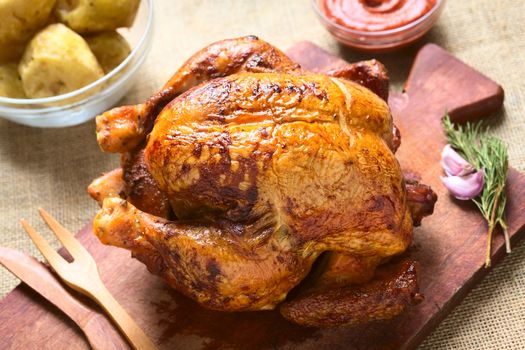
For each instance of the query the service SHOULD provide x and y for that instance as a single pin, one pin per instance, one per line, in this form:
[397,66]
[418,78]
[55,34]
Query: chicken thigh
[244,170]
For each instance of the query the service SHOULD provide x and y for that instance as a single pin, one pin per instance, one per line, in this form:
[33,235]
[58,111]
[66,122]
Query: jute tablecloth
[51,168]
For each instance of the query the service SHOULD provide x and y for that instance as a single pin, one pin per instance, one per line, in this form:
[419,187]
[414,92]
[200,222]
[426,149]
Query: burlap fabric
[52,167]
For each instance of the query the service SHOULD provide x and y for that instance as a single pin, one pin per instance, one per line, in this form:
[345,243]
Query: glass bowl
[384,40]
[83,104]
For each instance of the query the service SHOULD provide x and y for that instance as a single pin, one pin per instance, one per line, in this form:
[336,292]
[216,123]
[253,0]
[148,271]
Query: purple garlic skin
[462,180]
[454,164]
[465,187]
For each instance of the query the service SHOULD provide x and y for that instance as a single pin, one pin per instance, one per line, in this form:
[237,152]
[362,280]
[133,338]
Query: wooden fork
[82,275]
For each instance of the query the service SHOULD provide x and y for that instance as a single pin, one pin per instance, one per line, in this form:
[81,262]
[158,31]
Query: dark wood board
[450,245]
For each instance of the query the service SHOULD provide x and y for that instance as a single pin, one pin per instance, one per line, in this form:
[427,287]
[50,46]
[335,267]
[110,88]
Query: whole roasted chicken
[248,183]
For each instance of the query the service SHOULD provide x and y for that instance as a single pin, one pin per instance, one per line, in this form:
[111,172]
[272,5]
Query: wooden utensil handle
[99,336]
[136,337]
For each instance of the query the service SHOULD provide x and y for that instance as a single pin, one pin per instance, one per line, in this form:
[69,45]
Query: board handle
[438,81]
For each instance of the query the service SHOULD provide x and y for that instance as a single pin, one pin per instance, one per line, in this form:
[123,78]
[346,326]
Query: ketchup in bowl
[376,15]
[378,25]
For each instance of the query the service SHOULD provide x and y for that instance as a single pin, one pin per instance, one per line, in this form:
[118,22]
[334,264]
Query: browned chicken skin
[123,128]
[420,199]
[393,289]
[140,187]
[371,74]
[108,185]
[265,168]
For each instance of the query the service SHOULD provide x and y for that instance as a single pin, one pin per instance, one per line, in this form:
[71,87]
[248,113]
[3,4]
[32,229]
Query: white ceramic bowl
[83,104]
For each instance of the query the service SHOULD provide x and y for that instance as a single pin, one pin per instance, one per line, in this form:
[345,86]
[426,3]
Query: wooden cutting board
[450,245]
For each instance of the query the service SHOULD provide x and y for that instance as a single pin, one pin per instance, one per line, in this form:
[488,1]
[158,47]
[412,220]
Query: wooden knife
[98,330]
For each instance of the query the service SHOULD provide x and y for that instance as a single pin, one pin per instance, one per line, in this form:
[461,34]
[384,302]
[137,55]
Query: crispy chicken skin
[222,265]
[242,151]
[134,183]
[140,188]
[244,170]
[371,74]
[393,289]
[123,128]
[108,185]
[420,199]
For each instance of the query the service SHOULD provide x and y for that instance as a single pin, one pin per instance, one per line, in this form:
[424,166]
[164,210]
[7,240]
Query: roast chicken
[248,183]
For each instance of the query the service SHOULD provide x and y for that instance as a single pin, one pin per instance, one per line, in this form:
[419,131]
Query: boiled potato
[20,20]
[10,83]
[56,61]
[10,52]
[110,48]
[88,16]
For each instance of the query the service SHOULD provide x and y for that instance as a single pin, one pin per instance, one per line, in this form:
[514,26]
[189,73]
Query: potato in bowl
[89,16]
[20,20]
[85,103]
[110,49]
[57,61]
[10,82]
[57,58]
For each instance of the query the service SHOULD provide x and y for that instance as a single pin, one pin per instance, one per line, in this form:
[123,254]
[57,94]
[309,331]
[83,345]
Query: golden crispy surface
[222,265]
[107,185]
[264,168]
[121,129]
[249,144]
[236,157]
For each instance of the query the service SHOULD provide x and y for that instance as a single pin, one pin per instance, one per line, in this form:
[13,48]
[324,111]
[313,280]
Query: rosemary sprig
[490,154]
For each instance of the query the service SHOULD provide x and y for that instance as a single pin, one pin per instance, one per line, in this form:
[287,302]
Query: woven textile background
[52,167]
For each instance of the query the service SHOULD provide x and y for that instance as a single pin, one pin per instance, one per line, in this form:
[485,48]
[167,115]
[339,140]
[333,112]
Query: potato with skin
[89,16]
[56,61]
[20,20]
[110,49]
[10,82]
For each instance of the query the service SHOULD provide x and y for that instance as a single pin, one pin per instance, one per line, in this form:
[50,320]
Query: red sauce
[375,15]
